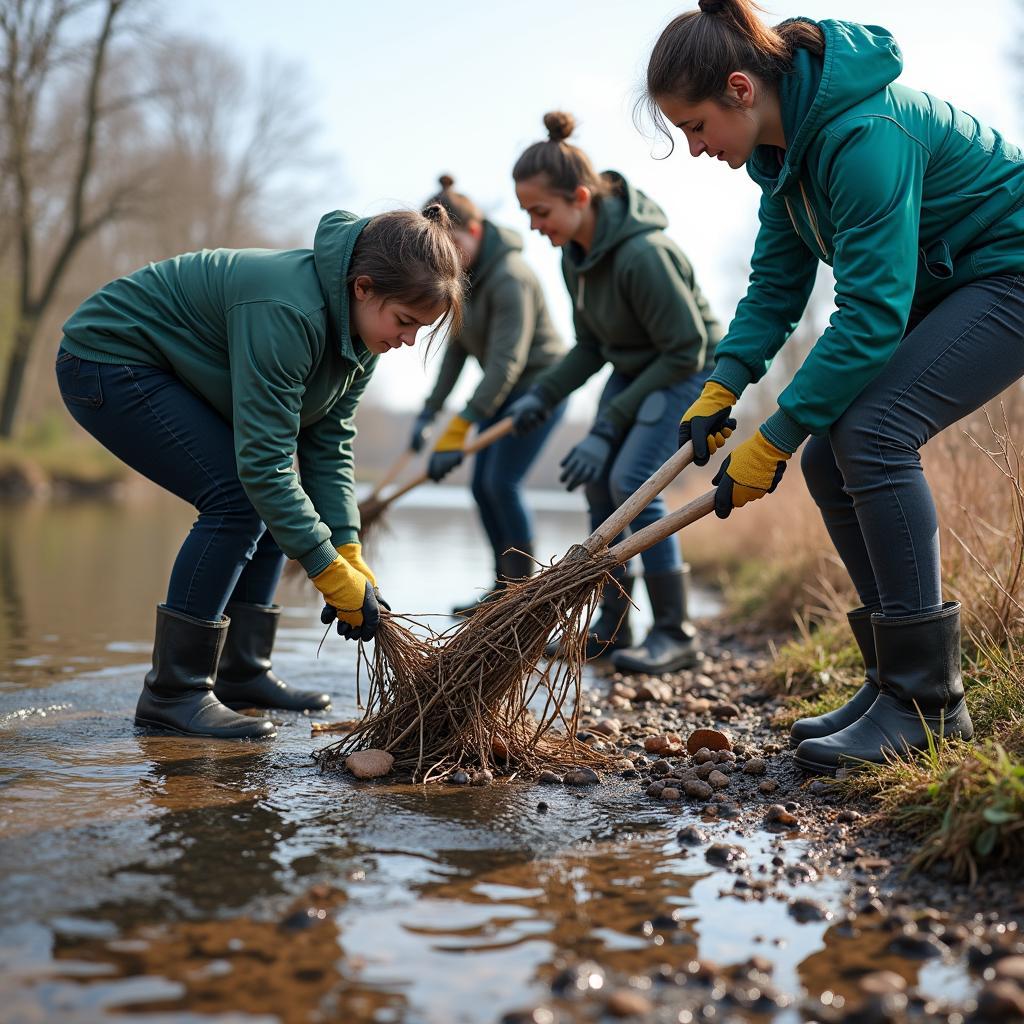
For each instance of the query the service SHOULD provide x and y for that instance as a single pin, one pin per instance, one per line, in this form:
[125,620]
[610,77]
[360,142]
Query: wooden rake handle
[482,440]
[639,500]
[664,527]
[394,471]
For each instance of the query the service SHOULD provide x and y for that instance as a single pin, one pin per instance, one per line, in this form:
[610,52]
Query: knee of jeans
[623,482]
[864,445]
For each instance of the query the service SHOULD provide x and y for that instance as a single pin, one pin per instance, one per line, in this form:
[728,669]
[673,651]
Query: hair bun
[711,6]
[559,124]
[446,181]
[436,214]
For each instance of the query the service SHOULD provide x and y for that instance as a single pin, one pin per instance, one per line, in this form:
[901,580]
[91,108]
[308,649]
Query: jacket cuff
[731,374]
[471,415]
[784,432]
[315,561]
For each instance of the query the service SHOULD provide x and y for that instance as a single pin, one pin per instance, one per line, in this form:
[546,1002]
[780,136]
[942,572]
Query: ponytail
[412,258]
[698,50]
[460,208]
[564,166]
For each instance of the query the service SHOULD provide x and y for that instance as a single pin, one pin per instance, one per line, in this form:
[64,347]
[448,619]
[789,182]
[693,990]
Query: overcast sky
[404,90]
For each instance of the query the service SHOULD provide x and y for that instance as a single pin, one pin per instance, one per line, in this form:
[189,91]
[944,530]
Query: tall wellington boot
[177,695]
[611,630]
[245,678]
[920,700]
[671,644]
[833,721]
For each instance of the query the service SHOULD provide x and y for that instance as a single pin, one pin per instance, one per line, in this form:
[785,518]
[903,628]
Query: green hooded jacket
[263,336]
[636,305]
[506,328]
[906,197]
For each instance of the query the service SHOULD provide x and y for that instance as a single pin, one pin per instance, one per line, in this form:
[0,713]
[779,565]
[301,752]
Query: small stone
[705,769]
[882,983]
[725,709]
[663,744]
[369,764]
[703,756]
[655,692]
[804,910]
[847,816]
[626,1003]
[482,778]
[697,789]
[755,766]
[655,789]
[608,727]
[542,805]
[661,767]
[712,739]
[692,836]
[548,778]
[767,786]
[718,780]
[723,853]
[778,815]
[670,793]
[581,777]
[458,778]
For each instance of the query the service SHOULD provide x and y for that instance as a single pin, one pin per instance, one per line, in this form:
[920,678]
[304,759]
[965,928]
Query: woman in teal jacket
[209,373]
[637,307]
[919,210]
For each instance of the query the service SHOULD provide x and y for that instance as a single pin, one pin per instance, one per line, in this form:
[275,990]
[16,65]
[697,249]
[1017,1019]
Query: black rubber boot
[511,565]
[833,721]
[177,695]
[245,678]
[611,630]
[671,644]
[921,694]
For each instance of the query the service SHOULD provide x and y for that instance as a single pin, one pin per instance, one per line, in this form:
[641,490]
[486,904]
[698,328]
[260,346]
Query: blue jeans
[866,476]
[650,441]
[150,420]
[497,482]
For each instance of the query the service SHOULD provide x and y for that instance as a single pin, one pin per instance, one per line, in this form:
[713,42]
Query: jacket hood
[496,243]
[625,213]
[333,244]
[859,61]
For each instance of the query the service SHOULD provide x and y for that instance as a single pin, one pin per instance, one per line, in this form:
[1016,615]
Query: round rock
[369,764]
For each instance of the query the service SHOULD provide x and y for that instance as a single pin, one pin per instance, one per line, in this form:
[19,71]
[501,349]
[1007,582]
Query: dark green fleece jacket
[263,336]
[636,305]
[506,328]
[904,196]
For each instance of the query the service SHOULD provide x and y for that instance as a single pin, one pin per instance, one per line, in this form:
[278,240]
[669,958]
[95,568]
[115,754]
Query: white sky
[404,90]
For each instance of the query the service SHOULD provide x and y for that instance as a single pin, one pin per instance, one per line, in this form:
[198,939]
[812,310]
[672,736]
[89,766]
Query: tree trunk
[17,367]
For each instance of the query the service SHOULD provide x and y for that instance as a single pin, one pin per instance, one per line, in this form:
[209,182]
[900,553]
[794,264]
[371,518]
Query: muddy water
[160,879]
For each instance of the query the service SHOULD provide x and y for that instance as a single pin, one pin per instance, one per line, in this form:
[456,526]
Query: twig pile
[461,699]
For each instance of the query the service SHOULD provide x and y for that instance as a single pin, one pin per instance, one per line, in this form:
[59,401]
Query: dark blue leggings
[150,420]
[498,474]
[866,476]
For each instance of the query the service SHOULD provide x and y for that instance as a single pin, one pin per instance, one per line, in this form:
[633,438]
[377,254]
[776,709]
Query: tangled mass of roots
[475,695]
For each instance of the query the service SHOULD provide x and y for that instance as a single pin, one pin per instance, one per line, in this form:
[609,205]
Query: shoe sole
[168,730]
[239,706]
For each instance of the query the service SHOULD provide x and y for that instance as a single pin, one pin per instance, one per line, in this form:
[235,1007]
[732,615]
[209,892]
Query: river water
[147,878]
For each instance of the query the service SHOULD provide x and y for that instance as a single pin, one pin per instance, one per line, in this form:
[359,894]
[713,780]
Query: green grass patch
[833,696]
[823,658]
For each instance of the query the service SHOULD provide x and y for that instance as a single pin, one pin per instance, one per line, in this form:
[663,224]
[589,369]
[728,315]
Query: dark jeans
[498,474]
[648,443]
[149,419]
[866,475]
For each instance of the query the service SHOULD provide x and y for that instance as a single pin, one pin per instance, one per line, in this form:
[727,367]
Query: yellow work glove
[353,554]
[706,423]
[753,470]
[349,595]
[447,453]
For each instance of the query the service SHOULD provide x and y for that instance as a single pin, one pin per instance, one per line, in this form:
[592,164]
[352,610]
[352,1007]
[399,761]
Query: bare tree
[43,46]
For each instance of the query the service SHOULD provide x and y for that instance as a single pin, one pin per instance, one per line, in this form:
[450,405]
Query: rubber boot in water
[177,695]
[510,565]
[245,678]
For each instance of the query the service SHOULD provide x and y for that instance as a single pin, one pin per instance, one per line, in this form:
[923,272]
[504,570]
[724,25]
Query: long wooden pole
[659,530]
